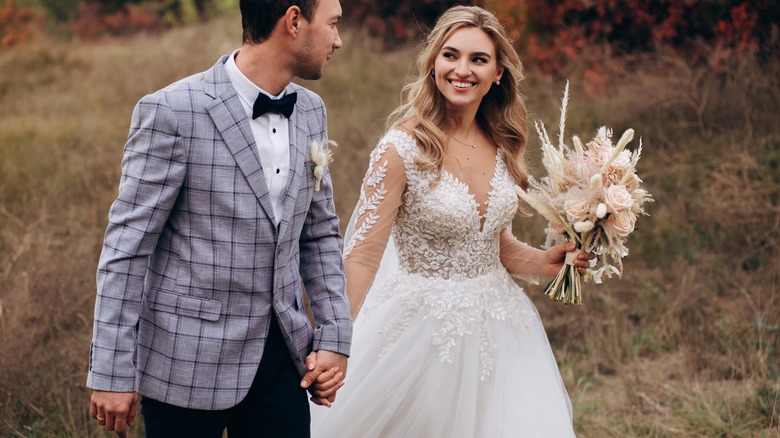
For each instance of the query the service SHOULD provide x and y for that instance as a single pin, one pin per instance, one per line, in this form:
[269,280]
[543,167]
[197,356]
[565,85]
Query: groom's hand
[326,372]
[324,389]
[114,410]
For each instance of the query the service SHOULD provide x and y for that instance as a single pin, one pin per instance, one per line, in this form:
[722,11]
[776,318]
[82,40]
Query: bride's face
[466,68]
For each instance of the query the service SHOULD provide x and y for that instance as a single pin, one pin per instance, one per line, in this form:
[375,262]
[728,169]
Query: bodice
[439,230]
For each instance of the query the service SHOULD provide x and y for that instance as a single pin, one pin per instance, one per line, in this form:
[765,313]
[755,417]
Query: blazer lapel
[231,122]
[298,150]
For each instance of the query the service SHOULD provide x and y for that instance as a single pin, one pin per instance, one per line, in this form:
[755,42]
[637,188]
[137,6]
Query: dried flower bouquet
[592,196]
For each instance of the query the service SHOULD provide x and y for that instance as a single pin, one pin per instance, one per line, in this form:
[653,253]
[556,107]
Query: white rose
[617,199]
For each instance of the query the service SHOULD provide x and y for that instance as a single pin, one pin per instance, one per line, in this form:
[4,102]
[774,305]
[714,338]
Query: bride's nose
[462,69]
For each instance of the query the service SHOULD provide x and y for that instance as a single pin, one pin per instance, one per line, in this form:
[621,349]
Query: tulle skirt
[435,357]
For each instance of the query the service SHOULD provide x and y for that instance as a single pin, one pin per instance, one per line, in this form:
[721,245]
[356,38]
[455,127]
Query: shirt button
[278,170]
[274,130]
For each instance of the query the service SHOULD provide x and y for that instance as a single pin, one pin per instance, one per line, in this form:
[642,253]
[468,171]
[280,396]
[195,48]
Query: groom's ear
[292,20]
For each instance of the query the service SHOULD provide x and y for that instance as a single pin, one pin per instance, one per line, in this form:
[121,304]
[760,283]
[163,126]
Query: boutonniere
[321,156]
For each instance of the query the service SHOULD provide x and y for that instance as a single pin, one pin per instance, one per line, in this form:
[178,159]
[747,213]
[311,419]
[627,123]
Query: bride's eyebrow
[475,54]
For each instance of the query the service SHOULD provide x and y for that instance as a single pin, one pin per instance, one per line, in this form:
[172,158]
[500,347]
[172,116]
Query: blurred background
[684,345]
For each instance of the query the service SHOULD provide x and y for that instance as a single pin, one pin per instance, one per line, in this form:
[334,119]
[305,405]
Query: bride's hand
[555,257]
[324,389]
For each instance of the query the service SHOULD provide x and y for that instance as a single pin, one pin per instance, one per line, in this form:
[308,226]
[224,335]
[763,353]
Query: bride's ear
[499,74]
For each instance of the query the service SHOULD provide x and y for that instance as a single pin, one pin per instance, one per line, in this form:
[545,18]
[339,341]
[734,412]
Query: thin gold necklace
[473,145]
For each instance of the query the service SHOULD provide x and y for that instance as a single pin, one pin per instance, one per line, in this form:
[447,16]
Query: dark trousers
[276,406]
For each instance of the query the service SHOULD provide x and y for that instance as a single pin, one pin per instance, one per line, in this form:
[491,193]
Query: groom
[216,229]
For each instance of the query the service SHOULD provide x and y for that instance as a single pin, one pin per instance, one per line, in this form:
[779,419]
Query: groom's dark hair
[259,17]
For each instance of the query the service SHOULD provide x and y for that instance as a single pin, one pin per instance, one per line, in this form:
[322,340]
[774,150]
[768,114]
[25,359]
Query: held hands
[325,376]
[114,410]
[555,257]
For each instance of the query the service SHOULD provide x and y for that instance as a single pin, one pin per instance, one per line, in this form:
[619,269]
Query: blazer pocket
[186,305]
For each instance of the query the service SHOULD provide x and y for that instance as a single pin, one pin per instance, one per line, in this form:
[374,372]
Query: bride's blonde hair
[501,115]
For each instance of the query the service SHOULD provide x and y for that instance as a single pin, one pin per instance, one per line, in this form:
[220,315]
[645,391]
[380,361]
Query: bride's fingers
[329,393]
[324,386]
[327,375]
[324,401]
[320,401]
[325,389]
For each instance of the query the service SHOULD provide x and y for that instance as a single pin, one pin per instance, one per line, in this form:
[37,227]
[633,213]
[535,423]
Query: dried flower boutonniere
[321,156]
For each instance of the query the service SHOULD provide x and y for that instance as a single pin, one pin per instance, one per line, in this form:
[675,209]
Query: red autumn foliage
[601,36]
[94,20]
[17,24]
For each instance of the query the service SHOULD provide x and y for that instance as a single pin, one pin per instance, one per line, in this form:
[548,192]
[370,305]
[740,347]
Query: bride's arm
[521,259]
[380,198]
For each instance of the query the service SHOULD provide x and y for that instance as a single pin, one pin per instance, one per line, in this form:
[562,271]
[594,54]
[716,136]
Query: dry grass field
[685,345]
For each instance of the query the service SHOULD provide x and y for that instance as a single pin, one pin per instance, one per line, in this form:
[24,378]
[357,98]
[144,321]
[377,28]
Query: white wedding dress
[446,343]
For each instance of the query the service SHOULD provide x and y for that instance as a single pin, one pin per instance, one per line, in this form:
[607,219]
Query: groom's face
[320,38]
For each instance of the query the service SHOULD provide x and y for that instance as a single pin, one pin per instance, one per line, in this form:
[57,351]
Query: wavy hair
[501,115]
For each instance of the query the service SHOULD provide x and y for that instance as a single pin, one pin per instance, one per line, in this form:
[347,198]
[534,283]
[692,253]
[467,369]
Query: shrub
[97,18]
[607,35]
[17,24]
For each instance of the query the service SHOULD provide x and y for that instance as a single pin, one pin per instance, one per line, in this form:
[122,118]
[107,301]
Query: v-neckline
[477,210]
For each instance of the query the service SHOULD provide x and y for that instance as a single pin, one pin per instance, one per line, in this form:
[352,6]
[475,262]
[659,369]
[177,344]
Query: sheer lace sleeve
[520,259]
[377,207]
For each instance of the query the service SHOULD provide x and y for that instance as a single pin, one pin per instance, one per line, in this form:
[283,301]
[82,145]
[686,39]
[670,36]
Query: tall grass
[684,345]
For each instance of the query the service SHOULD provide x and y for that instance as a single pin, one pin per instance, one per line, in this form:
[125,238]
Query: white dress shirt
[271,135]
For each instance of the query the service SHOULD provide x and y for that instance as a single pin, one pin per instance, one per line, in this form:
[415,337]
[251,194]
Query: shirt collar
[245,88]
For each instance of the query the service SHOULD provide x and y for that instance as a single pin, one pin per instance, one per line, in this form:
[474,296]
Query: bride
[446,344]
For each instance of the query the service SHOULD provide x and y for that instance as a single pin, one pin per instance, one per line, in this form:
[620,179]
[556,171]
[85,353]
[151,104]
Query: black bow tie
[284,106]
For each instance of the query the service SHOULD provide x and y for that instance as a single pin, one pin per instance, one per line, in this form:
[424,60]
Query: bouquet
[592,196]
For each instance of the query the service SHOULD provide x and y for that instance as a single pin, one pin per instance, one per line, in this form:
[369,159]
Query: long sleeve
[153,170]
[322,270]
[520,259]
[380,198]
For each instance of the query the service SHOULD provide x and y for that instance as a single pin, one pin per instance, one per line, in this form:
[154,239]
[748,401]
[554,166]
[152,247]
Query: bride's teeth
[461,84]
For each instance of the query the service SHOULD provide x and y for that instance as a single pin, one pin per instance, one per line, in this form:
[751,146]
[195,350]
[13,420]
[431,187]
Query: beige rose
[576,210]
[622,161]
[620,224]
[633,183]
[617,199]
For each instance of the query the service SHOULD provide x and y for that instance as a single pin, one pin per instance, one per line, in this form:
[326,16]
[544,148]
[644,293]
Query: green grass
[685,345]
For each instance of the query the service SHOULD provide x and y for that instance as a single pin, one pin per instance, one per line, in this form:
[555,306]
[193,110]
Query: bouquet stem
[567,285]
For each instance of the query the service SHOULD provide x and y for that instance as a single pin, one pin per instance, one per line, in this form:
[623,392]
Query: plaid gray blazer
[192,264]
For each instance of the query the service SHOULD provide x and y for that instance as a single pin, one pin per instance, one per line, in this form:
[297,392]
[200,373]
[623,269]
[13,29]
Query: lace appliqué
[457,307]
[374,175]
[448,254]
[439,230]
